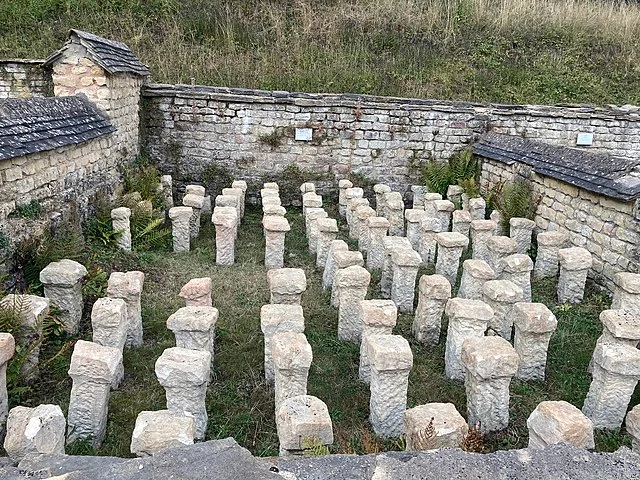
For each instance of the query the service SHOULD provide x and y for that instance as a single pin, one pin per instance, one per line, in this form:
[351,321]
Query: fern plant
[425,439]
[147,226]
[512,200]
[462,166]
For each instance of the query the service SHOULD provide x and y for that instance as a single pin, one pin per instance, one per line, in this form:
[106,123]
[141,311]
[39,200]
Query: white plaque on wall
[304,134]
[584,139]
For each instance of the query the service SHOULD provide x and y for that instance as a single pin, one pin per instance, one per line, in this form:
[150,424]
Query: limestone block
[34,431]
[481,231]
[350,194]
[380,189]
[443,211]
[276,210]
[166,183]
[239,194]
[467,319]
[418,196]
[377,228]
[554,422]
[327,232]
[354,226]
[195,328]
[501,296]
[196,202]
[363,213]
[391,361]
[429,206]
[632,425]
[575,263]
[477,208]
[62,283]
[449,427]
[197,292]
[390,244]
[197,190]
[454,194]
[489,364]
[271,186]
[242,186]
[341,260]
[626,294]
[120,223]
[521,230]
[474,275]
[517,269]
[499,247]
[429,229]
[394,207]
[184,374]
[496,216]
[7,349]
[287,285]
[461,222]
[377,317]
[343,185]
[534,325]
[276,318]
[272,200]
[307,187]
[329,268]
[414,229]
[292,356]
[352,284]
[156,431]
[302,422]
[180,229]
[275,229]
[549,243]
[110,324]
[433,294]
[310,200]
[619,327]
[128,286]
[312,217]
[450,248]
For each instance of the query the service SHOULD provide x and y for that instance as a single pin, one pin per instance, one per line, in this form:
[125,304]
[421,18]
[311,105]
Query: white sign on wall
[584,139]
[304,134]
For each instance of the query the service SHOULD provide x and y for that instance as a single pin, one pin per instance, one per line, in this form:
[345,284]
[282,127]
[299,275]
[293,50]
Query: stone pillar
[352,284]
[330,268]
[390,244]
[354,226]
[270,198]
[557,422]
[626,294]
[429,228]
[275,319]
[207,208]
[501,295]
[128,286]
[616,370]
[363,214]
[474,275]
[195,328]
[307,187]
[62,283]
[481,231]
[350,194]
[239,194]
[549,243]
[454,194]
[377,317]
[157,431]
[394,208]
[197,292]
[229,205]
[434,292]
[450,248]
[287,285]
[342,260]
[310,200]
[632,424]
[444,209]
[418,196]
[575,263]
[275,229]
[166,184]
[327,232]
[499,248]
[35,431]
[93,369]
[449,427]
[414,229]
[496,216]
[196,202]
[184,374]
[180,218]
[377,228]
[405,265]
[242,185]
[489,364]
[534,324]
[521,230]
[517,269]
[343,185]
[198,190]
[380,190]
[312,217]
[120,224]
[477,208]
[7,349]
[303,422]
[292,356]
[461,222]
[109,325]
[391,361]
[429,206]
[467,319]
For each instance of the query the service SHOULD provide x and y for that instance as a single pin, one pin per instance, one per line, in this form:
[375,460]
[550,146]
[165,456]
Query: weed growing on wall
[31,210]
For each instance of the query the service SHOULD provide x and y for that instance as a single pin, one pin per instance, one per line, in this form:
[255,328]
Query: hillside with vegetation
[518,51]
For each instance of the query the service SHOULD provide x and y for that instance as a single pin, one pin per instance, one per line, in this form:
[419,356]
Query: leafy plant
[512,200]
[99,229]
[144,178]
[95,283]
[314,447]
[273,139]
[461,166]
[147,226]
[425,439]
[473,441]
[31,210]
[470,187]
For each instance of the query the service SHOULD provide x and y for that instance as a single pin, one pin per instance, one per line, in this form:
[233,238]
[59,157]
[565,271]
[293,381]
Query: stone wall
[24,78]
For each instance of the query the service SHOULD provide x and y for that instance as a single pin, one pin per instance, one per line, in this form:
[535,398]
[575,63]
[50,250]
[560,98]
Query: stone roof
[601,173]
[40,124]
[114,57]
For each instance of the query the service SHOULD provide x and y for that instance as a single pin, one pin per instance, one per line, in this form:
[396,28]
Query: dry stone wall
[24,78]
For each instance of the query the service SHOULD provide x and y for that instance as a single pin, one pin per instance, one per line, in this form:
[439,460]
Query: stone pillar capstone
[197,292]
[501,296]
[121,224]
[433,294]
[546,265]
[377,317]
[554,422]
[35,431]
[517,269]
[239,194]
[575,263]
[195,328]
[62,282]
[534,325]
[342,260]
[128,286]
[277,318]
[352,284]
[286,285]
[180,230]
[450,248]
[377,228]
[310,200]
[626,294]
[443,211]
[474,275]
[292,356]
[275,229]
[499,248]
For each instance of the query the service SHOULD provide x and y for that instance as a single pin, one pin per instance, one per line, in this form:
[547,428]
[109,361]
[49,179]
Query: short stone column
[363,214]
[461,222]
[474,275]
[386,279]
[35,431]
[354,226]
[414,229]
[380,190]
[180,218]
[184,374]
[554,422]
[534,325]
[450,248]
[391,361]
[444,209]
[93,370]
[195,328]
[343,185]
[377,228]
[226,225]
[327,232]
[467,319]
[454,194]
[501,296]
[632,425]
[62,283]
[521,230]
[499,248]
[312,217]
[310,200]
[433,293]
[159,430]
[626,294]
[517,268]
[292,356]
[616,370]
[405,265]
[429,206]
[109,325]
[166,185]
[575,263]
[350,194]
[7,349]
[196,202]
[429,229]
[287,285]
[128,286]
[197,292]
[239,194]
[418,196]
[275,229]
[121,224]
[477,208]
[302,423]
[275,319]
[481,231]
[496,216]
[330,268]
[377,317]
[242,185]
[447,426]
[307,187]
[342,260]
[489,364]
[352,284]
[394,208]
[549,243]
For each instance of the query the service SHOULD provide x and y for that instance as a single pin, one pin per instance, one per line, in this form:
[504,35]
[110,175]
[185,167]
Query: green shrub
[31,210]
[461,167]
[512,200]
